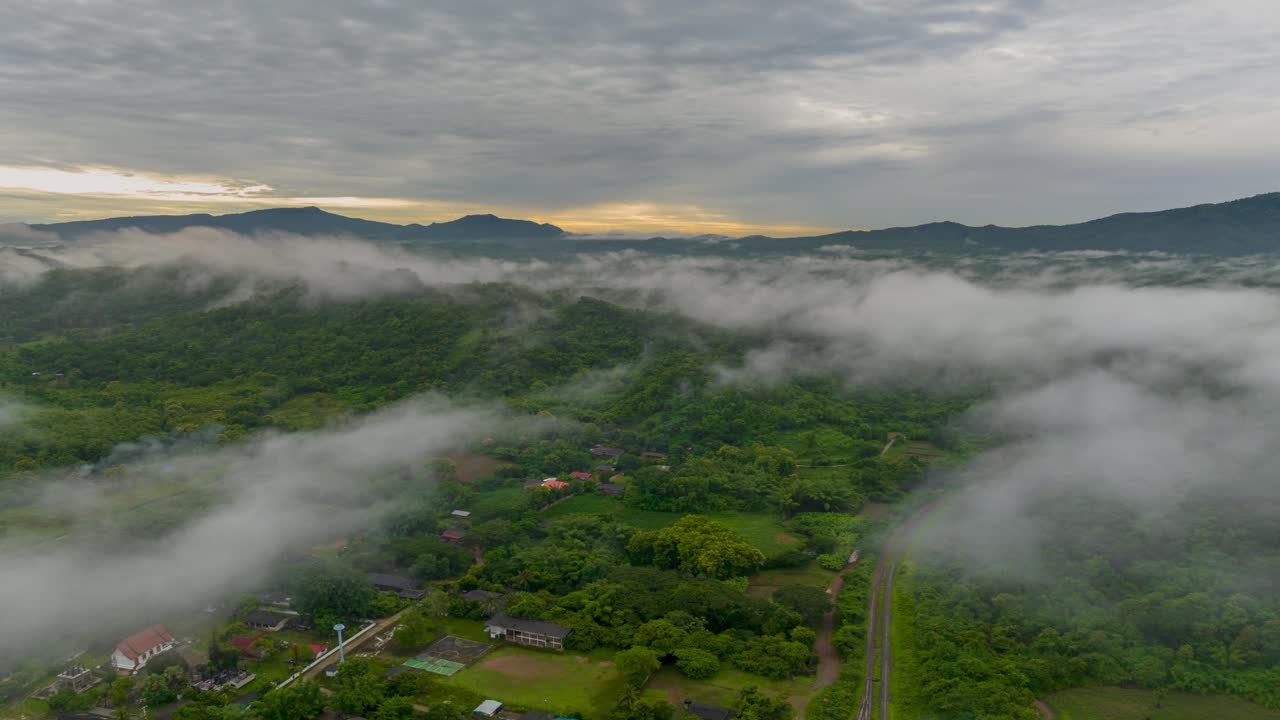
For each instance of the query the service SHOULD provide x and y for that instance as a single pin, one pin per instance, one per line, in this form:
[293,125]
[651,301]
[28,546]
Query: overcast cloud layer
[832,113]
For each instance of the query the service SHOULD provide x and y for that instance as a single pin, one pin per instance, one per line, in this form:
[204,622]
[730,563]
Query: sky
[639,115]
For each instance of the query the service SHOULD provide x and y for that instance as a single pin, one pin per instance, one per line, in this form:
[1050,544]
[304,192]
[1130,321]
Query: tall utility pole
[342,657]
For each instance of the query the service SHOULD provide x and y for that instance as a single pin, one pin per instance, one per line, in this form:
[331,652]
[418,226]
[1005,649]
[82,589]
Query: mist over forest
[1108,508]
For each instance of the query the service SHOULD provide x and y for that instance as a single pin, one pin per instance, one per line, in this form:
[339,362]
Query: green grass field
[1112,703]
[723,689]
[495,503]
[567,684]
[764,531]
[766,582]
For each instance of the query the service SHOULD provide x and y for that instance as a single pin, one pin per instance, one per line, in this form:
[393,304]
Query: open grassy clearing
[723,689]
[926,452]
[496,503]
[567,684]
[1113,703]
[768,533]
[766,582]
[308,412]
[472,467]
[826,443]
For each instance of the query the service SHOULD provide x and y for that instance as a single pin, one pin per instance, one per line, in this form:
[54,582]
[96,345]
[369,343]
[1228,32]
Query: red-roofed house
[319,649]
[245,644]
[134,651]
[554,484]
[580,475]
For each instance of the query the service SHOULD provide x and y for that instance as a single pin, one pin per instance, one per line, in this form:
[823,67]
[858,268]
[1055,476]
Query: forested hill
[314,221]
[1240,227]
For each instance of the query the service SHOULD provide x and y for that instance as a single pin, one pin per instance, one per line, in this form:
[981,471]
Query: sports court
[448,655]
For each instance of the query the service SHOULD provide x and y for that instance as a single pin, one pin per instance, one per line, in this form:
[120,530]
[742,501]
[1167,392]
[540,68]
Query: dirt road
[824,647]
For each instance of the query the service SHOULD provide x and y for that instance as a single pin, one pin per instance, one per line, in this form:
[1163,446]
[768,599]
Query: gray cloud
[272,495]
[828,113]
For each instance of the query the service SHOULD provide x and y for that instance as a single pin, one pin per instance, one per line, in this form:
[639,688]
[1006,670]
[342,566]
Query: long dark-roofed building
[533,633]
[267,619]
[408,588]
[708,712]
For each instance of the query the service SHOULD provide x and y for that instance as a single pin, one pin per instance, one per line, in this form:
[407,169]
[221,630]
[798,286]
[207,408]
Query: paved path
[352,645]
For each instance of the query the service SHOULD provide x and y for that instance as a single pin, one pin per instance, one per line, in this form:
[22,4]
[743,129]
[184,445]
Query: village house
[134,651]
[554,484]
[605,469]
[76,678]
[407,588]
[708,712]
[612,489]
[581,475]
[245,644]
[653,456]
[537,715]
[487,709]
[453,534]
[461,513]
[268,620]
[602,451]
[527,632]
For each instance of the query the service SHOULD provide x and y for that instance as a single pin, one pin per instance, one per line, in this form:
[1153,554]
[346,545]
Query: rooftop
[267,618]
[536,627]
[488,707]
[139,643]
[708,712]
[397,582]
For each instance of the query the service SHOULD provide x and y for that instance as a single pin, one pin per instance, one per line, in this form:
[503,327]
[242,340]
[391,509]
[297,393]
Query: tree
[395,708]
[175,677]
[699,546]
[299,701]
[697,664]
[359,686]
[415,629]
[331,590]
[755,705]
[809,601]
[155,692]
[660,635]
[636,665]
[119,691]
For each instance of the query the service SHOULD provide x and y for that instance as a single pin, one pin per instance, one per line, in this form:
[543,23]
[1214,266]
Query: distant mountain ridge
[1238,227]
[314,221]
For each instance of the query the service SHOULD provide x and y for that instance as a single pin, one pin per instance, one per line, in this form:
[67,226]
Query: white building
[134,651]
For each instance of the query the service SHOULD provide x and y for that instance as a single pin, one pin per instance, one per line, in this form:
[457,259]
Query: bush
[834,563]
[697,664]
